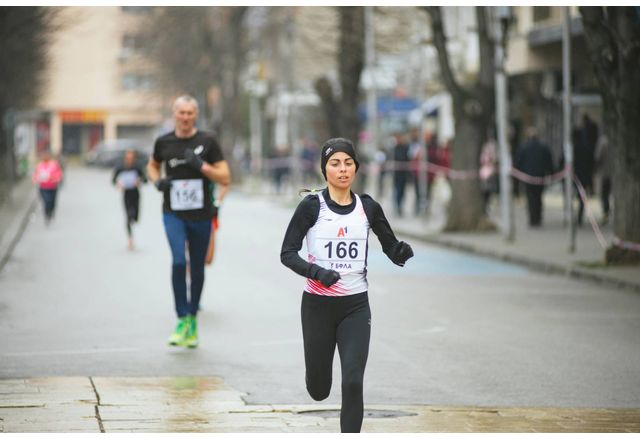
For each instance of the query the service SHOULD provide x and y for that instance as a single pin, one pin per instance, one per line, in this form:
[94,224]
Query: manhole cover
[367,413]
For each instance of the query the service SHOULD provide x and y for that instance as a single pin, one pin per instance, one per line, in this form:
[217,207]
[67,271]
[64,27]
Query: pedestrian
[401,171]
[48,175]
[534,159]
[215,221]
[488,171]
[128,177]
[582,169]
[192,158]
[335,305]
[380,159]
[416,158]
[589,134]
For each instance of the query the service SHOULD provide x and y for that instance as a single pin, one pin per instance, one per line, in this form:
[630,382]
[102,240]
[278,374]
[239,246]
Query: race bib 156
[186,194]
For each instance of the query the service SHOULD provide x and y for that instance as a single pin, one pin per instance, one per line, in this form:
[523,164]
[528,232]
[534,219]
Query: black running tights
[346,322]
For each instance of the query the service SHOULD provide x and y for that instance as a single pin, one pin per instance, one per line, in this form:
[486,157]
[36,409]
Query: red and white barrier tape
[626,244]
[592,219]
[549,179]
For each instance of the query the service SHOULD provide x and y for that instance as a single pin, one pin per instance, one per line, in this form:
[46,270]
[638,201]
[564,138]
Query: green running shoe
[180,333]
[191,339]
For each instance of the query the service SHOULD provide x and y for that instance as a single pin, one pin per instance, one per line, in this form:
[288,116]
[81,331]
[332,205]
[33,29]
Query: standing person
[48,175]
[589,134]
[488,171]
[335,304]
[401,173]
[215,222]
[582,169]
[416,159]
[534,158]
[128,177]
[192,159]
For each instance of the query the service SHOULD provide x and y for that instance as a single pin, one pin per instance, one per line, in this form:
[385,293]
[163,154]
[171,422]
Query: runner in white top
[335,304]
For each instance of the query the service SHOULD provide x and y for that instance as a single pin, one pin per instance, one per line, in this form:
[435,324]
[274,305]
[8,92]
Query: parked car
[110,153]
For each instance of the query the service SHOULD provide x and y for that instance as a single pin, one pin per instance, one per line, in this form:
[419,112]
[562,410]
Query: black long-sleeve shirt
[305,217]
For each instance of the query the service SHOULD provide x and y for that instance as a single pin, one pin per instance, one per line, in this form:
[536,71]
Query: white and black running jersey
[339,242]
[325,239]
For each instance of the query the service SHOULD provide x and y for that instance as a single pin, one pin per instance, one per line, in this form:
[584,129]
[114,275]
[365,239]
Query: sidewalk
[14,214]
[543,249]
[208,404]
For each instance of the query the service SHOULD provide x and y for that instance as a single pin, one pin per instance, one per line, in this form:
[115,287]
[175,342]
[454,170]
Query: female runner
[335,304]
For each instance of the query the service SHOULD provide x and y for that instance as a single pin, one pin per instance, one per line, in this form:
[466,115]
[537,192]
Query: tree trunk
[473,108]
[235,52]
[351,62]
[616,61]
[329,105]
[466,210]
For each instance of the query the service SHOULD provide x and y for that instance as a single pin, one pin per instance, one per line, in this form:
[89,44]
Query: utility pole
[423,181]
[502,17]
[566,125]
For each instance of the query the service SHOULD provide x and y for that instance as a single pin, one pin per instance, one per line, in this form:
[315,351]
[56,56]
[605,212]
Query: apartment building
[534,68]
[99,85]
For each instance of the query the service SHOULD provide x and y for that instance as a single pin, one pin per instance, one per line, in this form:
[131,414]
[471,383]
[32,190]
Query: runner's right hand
[163,184]
[327,277]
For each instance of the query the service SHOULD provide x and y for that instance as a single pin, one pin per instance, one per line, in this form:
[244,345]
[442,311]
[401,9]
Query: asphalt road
[447,329]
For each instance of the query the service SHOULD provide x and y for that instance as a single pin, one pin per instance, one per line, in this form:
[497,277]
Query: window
[130,45]
[137,81]
[541,13]
[140,10]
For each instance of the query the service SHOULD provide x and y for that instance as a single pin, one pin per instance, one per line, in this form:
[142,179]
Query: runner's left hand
[193,159]
[401,253]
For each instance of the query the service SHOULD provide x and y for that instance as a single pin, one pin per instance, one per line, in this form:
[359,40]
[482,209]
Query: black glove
[193,159]
[401,253]
[163,184]
[327,277]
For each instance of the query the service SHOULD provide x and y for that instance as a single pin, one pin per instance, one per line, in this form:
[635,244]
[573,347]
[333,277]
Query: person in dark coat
[534,158]
[588,138]
[401,173]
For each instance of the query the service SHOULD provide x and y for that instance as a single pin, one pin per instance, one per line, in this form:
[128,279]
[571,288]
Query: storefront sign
[83,116]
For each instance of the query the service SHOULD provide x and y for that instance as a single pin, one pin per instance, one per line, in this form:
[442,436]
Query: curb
[17,225]
[537,265]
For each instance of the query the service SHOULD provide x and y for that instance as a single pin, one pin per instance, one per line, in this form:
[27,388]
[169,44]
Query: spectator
[534,158]
[401,172]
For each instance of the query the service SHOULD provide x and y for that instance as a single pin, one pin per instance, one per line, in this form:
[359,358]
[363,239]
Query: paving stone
[207,404]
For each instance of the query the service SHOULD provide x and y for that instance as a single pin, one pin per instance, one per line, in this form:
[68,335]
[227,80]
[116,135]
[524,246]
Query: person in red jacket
[48,175]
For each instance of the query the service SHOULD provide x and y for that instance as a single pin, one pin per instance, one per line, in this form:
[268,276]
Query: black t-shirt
[189,197]
[306,216]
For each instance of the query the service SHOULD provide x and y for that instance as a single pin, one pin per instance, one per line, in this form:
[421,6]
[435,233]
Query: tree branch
[487,53]
[440,41]
[627,25]
[602,48]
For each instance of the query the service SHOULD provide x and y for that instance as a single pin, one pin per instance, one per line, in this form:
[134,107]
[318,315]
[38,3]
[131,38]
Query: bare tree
[196,49]
[613,41]
[342,112]
[24,36]
[473,107]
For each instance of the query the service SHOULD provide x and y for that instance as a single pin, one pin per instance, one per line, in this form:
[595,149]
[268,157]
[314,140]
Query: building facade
[99,85]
